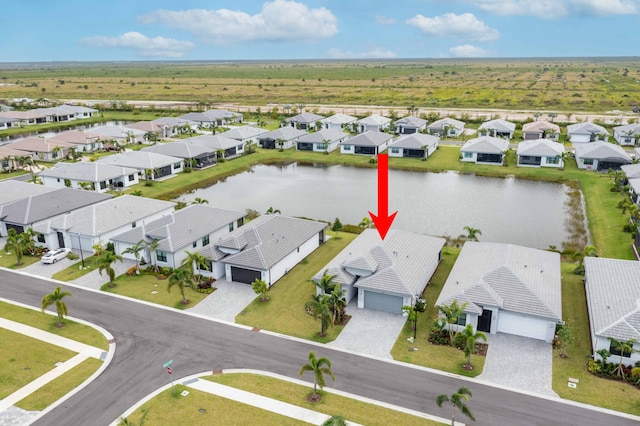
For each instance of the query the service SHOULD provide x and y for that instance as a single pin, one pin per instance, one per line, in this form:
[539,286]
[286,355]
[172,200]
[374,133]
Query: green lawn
[76,270]
[8,260]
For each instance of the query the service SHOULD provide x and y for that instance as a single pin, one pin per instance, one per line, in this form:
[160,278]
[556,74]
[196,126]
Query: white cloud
[468,51]
[552,9]
[385,20]
[278,21]
[605,7]
[464,26]
[376,52]
[143,45]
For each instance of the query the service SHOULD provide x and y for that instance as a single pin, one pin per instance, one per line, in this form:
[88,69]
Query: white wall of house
[545,162]
[526,325]
[292,259]
[604,343]
[396,152]
[318,147]
[624,139]
[372,127]
[586,138]
[347,149]
[469,157]
[584,163]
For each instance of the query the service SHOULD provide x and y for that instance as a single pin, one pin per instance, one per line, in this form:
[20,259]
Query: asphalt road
[146,337]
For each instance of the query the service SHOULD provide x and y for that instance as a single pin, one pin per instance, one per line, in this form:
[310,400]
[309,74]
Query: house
[27,117]
[245,134]
[284,138]
[410,124]
[30,211]
[627,134]
[213,117]
[159,131]
[8,123]
[613,292]
[149,165]
[586,132]
[416,145]
[84,227]
[89,175]
[304,121]
[540,130]
[190,229]
[231,147]
[373,123]
[636,153]
[385,275]
[83,141]
[42,149]
[321,141]
[540,153]
[339,122]
[266,248]
[368,143]
[634,190]
[13,190]
[120,134]
[506,288]
[9,157]
[67,112]
[601,156]
[195,156]
[484,150]
[632,174]
[175,125]
[497,128]
[446,127]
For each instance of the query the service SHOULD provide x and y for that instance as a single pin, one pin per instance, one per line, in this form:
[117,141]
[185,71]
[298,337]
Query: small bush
[148,182]
[72,256]
[131,271]
[187,170]
[353,229]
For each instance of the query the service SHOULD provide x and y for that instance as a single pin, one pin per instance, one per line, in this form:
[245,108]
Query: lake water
[505,210]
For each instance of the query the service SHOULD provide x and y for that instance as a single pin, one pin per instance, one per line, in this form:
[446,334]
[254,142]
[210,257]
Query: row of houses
[61,113]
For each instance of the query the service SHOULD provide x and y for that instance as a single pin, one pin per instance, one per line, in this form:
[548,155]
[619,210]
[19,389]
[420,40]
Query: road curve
[147,336]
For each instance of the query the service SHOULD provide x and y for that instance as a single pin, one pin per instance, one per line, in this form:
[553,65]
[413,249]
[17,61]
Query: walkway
[94,280]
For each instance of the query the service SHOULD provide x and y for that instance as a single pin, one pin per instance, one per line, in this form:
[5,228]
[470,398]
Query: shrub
[72,256]
[187,170]
[148,182]
[166,271]
[131,271]
[353,229]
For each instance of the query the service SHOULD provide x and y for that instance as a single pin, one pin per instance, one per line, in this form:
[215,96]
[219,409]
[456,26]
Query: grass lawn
[25,359]
[285,312]
[75,271]
[591,389]
[333,405]
[143,287]
[8,260]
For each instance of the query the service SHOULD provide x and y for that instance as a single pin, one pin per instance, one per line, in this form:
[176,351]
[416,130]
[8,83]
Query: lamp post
[80,245]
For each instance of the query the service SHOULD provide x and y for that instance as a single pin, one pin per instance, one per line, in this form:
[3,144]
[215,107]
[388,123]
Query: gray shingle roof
[518,279]
[600,150]
[631,170]
[170,121]
[586,128]
[446,122]
[85,171]
[285,133]
[115,132]
[540,126]
[540,147]
[416,141]
[180,149]
[486,145]
[36,144]
[628,129]
[411,121]
[613,297]
[139,160]
[322,135]
[305,117]
[339,118]
[243,132]
[498,125]
[375,120]
[214,142]
[13,190]
[209,116]
[368,138]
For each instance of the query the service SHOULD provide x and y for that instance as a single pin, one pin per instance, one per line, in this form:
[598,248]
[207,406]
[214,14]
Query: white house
[497,128]
[83,141]
[304,121]
[540,130]
[586,132]
[287,136]
[195,156]
[244,134]
[214,143]
[159,165]
[446,127]
[627,134]
[8,123]
[540,153]
[339,122]
[215,117]
[601,156]
[175,124]
[613,295]
[373,123]
[410,124]
[415,145]
[101,177]
[42,149]
[484,150]
[321,141]
[160,131]
[368,143]
[120,134]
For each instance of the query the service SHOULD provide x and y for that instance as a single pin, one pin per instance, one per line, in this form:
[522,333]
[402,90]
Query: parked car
[52,256]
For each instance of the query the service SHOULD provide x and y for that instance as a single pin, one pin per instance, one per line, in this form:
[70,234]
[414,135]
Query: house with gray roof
[13,190]
[8,123]
[373,123]
[446,127]
[627,134]
[632,173]
[304,121]
[367,143]
[9,157]
[540,153]
[175,125]
[410,124]
[266,248]
[506,289]
[43,149]
[83,141]
[497,128]
[190,229]
[33,116]
[601,156]
[196,156]
[244,134]
[231,147]
[613,301]
[120,134]
[321,141]
[415,145]
[387,274]
[159,131]
[161,165]
[287,136]
[67,112]
[586,132]
[100,177]
[339,122]
[217,117]
[484,150]
[540,130]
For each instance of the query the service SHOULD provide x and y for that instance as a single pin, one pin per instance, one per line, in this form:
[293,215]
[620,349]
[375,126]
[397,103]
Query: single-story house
[195,156]
[83,141]
[43,149]
[84,227]
[497,128]
[8,123]
[231,147]
[339,122]
[304,121]
[284,137]
[373,123]
[218,117]
[410,124]
[613,292]
[13,190]
[634,190]
[632,173]
[266,248]
[9,157]
[415,145]
[506,288]
[30,211]
[388,274]
[368,143]
[33,116]
[627,134]
[586,132]
[484,150]
[244,134]
[601,156]
[175,124]
[446,127]
[148,127]
[321,141]
[100,177]
[120,134]
[636,153]
[143,161]
[540,153]
[540,130]
[67,112]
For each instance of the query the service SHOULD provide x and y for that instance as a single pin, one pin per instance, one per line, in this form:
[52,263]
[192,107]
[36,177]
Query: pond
[507,210]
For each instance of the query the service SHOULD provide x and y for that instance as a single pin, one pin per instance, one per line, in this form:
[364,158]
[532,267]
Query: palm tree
[153,246]
[470,343]
[451,314]
[271,210]
[319,367]
[15,243]
[337,303]
[472,233]
[411,313]
[181,277]
[326,284]
[260,288]
[61,307]
[320,309]
[335,421]
[135,250]
[28,238]
[457,400]
[199,200]
[565,334]
[104,264]
[366,223]
[626,349]
[194,262]
[56,151]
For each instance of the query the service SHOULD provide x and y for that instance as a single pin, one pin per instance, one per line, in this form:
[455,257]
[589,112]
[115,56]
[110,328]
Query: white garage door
[383,302]
[522,325]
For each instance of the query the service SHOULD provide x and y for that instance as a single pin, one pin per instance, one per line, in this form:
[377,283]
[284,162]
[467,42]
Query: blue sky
[113,30]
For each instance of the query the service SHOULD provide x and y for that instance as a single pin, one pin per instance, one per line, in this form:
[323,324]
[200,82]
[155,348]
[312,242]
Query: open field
[560,84]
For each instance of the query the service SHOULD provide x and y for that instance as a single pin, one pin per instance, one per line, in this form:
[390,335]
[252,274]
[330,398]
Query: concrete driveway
[519,362]
[47,271]
[226,302]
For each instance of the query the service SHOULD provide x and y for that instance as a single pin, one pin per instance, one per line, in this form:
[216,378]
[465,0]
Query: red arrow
[383,221]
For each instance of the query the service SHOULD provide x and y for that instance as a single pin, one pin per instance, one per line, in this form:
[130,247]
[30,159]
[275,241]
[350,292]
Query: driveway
[519,362]
[369,332]
[94,280]
[226,302]
[47,271]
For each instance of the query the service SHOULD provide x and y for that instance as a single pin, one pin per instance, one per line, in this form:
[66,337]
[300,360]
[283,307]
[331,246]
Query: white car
[52,256]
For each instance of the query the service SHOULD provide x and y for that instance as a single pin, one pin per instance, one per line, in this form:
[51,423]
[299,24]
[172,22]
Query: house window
[133,225]
[103,185]
[5,164]
[205,240]
[176,166]
[347,147]
[616,350]
[553,160]
[588,161]
[628,140]
[41,238]
[195,244]
[131,177]
[239,148]
[462,320]
[467,154]
[57,179]
[161,255]
[231,227]
[321,146]
[240,222]
[395,150]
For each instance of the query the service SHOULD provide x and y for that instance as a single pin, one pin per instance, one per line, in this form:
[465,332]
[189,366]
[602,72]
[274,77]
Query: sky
[133,30]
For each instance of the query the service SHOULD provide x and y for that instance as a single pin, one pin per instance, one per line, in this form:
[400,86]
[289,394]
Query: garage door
[521,325]
[242,275]
[383,302]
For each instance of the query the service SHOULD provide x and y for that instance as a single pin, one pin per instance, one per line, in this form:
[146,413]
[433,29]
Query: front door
[60,240]
[484,321]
